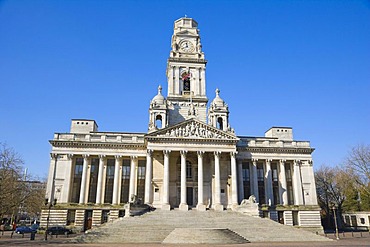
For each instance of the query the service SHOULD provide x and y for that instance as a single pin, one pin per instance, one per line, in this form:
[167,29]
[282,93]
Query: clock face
[186,46]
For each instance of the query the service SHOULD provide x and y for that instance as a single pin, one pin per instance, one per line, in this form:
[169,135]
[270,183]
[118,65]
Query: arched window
[158,121]
[220,124]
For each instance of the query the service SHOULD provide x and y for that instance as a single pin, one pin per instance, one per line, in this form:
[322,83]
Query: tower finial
[159,89]
[217,92]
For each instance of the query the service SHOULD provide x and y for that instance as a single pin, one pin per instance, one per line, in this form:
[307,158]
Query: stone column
[166,181]
[217,200]
[283,185]
[240,181]
[132,187]
[200,205]
[84,187]
[148,177]
[102,162]
[255,179]
[234,180]
[116,188]
[183,204]
[268,188]
[297,183]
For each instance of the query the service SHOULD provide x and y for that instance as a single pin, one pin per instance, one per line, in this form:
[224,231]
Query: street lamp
[49,204]
[52,200]
[335,222]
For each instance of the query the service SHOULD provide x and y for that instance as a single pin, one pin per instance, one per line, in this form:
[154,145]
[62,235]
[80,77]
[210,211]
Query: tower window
[158,121]
[186,81]
[220,123]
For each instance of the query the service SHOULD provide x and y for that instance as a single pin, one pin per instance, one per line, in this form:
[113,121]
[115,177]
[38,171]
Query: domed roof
[217,101]
[159,99]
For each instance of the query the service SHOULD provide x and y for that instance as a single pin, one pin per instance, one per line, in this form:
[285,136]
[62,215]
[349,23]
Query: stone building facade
[190,157]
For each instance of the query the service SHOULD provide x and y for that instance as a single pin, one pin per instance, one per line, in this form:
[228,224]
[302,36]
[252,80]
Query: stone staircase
[191,226]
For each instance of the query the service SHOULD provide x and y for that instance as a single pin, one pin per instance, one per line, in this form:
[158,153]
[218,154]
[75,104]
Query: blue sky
[301,64]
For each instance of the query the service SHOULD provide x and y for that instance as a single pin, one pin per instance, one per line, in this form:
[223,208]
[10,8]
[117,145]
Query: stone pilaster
[132,187]
[217,193]
[200,205]
[283,185]
[166,181]
[255,179]
[102,163]
[84,187]
[148,177]
[116,188]
[183,204]
[234,180]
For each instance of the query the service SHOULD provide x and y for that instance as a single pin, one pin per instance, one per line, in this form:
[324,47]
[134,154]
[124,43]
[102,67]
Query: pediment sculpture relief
[194,130]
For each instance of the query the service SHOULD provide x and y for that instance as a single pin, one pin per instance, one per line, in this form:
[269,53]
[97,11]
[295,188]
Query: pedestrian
[14,226]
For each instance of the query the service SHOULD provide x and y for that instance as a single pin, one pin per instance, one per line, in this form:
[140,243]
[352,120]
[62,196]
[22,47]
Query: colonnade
[236,185]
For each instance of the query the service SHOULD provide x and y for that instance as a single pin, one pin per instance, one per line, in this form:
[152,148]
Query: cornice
[101,145]
[187,60]
[189,140]
[276,150]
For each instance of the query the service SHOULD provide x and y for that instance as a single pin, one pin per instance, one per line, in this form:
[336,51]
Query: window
[186,81]
[261,184]
[275,183]
[246,179]
[141,179]
[189,173]
[220,123]
[109,181]
[289,184]
[77,175]
[125,181]
[94,168]
[158,121]
[71,215]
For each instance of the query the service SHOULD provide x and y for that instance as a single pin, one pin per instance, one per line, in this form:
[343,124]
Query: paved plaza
[17,240]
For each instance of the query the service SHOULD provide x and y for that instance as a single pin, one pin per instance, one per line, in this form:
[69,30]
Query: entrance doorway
[88,220]
[189,196]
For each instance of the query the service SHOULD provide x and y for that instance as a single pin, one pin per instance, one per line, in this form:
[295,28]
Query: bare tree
[16,190]
[358,162]
[331,183]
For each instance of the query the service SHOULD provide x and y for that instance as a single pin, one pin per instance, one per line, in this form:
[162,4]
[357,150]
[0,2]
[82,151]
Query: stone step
[195,227]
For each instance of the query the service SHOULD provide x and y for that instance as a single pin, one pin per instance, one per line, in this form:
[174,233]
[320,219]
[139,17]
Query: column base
[166,207]
[218,207]
[201,207]
[183,207]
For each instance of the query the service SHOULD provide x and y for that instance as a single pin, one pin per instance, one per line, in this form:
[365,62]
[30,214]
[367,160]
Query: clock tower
[186,94]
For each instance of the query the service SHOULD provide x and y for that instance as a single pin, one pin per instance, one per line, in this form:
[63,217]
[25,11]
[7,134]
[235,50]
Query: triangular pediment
[193,129]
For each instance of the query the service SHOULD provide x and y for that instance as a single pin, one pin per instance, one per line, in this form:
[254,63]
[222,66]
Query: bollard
[352,234]
[343,233]
[361,234]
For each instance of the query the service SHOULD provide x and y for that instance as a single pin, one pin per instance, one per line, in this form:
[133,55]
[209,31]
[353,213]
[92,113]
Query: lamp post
[335,222]
[52,201]
[49,204]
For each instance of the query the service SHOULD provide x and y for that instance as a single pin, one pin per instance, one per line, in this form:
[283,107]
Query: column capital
[254,161]
[282,161]
[118,157]
[200,154]
[166,152]
[54,156]
[268,161]
[233,154]
[297,162]
[310,162]
[217,153]
[69,156]
[149,152]
[183,153]
[86,156]
[133,157]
